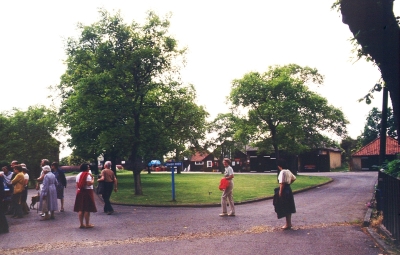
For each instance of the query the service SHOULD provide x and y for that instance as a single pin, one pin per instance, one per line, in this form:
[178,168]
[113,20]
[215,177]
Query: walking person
[84,201]
[19,186]
[61,183]
[227,193]
[110,182]
[284,204]
[48,196]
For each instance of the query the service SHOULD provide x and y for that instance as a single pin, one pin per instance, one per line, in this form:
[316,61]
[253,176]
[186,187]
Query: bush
[393,168]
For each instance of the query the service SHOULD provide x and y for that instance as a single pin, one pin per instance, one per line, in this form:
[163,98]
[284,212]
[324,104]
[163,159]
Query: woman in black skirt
[84,202]
[284,206]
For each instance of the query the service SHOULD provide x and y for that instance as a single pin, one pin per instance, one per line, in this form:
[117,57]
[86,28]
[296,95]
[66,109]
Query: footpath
[328,221]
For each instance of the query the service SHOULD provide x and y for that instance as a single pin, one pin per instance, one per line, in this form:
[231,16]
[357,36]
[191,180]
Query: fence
[388,201]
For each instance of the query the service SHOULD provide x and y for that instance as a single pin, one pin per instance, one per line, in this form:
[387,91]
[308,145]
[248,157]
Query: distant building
[367,158]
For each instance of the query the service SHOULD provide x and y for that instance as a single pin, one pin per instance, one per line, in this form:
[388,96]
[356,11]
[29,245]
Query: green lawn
[193,188]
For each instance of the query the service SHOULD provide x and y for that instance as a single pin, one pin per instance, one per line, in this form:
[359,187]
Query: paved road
[327,221]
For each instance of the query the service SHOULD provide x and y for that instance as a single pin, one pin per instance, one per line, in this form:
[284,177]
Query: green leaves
[283,110]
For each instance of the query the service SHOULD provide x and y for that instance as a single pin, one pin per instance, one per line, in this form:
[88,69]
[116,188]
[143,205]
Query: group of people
[50,186]
[283,198]
[14,180]
[52,182]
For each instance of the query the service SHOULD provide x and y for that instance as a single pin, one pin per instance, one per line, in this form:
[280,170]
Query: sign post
[172,166]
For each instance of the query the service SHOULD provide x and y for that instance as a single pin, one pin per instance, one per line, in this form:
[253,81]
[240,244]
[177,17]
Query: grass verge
[200,188]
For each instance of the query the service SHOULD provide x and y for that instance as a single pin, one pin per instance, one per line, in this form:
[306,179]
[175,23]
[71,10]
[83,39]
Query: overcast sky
[225,40]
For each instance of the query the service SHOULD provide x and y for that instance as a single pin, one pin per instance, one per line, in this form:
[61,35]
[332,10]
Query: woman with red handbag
[227,193]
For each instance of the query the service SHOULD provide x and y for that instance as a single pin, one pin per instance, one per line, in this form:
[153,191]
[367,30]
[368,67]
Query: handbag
[100,188]
[223,184]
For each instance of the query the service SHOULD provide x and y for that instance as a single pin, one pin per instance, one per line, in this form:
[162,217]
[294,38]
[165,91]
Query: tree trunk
[137,182]
[375,27]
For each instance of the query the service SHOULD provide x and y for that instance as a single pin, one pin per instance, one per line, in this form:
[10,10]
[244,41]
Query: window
[209,163]
[197,163]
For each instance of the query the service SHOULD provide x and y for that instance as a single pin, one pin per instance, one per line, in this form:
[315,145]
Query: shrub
[393,168]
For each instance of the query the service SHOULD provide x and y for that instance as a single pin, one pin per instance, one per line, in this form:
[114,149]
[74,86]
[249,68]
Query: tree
[231,134]
[27,136]
[373,126]
[107,93]
[349,146]
[284,112]
[376,31]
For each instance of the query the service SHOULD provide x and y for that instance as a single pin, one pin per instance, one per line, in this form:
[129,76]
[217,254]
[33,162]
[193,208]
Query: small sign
[173,163]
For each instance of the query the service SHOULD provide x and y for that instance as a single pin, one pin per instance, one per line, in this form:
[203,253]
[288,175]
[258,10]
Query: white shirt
[285,176]
[88,179]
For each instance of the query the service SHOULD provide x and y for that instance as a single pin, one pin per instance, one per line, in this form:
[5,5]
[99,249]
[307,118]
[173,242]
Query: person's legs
[17,205]
[108,188]
[289,220]
[223,202]
[230,200]
[87,219]
[62,204]
[80,215]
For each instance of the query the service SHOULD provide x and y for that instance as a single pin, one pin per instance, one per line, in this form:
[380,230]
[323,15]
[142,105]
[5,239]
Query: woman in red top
[84,202]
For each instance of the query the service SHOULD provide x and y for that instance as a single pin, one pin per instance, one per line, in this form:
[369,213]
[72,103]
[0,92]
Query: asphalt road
[328,221]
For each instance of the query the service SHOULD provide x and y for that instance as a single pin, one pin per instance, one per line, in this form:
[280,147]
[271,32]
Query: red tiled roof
[372,149]
[199,156]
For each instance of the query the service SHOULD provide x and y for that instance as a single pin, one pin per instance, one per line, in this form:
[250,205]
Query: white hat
[46,168]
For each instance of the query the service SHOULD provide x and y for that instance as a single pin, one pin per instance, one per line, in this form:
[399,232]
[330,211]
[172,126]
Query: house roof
[199,156]
[372,149]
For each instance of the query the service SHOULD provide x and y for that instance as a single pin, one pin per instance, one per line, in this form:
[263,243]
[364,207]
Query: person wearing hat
[19,185]
[48,195]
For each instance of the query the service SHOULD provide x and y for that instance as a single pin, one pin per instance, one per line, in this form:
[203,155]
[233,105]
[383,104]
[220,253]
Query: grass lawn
[200,188]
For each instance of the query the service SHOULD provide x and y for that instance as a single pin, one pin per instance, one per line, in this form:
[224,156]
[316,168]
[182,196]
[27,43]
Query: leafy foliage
[393,168]
[27,136]
[373,126]
[283,112]
[121,94]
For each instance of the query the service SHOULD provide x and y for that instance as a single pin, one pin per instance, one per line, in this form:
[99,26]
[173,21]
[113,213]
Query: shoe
[286,228]
[62,210]
[43,214]
[231,214]
[82,226]
[89,226]
[111,212]
[223,214]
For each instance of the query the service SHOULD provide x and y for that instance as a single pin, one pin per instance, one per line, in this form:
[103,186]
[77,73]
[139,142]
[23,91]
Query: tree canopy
[27,136]
[284,113]
[373,126]
[121,93]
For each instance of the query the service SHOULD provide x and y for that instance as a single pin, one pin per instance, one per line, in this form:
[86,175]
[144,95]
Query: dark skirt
[85,201]
[60,191]
[284,205]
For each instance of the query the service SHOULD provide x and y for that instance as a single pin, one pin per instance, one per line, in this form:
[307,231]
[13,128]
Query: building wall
[335,159]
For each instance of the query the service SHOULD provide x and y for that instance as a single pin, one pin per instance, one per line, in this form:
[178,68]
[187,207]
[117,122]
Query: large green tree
[377,33]
[373,126]
[28,136]
[285,113]
[117,86]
